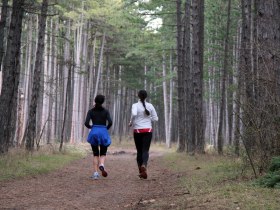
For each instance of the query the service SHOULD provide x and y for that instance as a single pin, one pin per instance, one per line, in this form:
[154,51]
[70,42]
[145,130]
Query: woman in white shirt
[142,115]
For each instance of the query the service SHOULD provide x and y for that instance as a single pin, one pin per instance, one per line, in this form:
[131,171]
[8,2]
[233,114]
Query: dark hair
[99,100]
[142,94]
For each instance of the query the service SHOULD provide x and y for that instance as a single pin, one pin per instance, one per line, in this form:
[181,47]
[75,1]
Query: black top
[98,116]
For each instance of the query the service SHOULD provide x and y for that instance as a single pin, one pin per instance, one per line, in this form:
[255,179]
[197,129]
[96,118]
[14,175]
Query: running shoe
[102,169]
[143,172]
[95,175]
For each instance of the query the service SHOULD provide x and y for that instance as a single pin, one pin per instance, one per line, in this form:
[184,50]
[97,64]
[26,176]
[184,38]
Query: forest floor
[188,186]
[72,188]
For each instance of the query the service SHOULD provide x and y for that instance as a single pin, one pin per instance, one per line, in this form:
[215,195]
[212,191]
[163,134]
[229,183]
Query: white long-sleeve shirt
[139,119]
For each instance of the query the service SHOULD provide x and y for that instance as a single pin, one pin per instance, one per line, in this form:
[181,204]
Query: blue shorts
[99,135]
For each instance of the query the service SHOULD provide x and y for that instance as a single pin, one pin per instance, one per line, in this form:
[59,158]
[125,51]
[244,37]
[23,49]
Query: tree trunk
[68,63]
[246,68]
[237,129]
[225,74]
[11,70]
[182,138]
[165,102]
[92,80]
[171,86]
[28,74]
[99,65]
[65,108]
[3,21]
[187,81]
[268,64]
[197,44]
[31,125]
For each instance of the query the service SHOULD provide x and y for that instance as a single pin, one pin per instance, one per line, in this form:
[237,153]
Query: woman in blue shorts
[99,137]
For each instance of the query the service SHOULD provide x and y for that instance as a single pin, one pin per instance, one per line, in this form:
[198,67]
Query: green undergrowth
[272,178]
[220,182]
[19,163]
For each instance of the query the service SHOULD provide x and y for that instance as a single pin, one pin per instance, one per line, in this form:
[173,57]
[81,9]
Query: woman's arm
[133,114]
[109,119]
[88,120]
[154,116]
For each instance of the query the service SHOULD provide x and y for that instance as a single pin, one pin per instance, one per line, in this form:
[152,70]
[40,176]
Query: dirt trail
[71,187]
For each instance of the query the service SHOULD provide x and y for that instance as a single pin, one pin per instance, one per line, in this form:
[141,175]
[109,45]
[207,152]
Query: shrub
[272,178]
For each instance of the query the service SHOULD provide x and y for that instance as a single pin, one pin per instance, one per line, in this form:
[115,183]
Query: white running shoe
[95,175]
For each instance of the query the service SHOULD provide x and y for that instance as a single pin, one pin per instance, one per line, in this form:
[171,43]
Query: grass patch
[18,163]
[219,182]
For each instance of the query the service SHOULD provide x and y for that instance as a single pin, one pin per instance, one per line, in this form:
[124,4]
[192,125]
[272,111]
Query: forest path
[72,187]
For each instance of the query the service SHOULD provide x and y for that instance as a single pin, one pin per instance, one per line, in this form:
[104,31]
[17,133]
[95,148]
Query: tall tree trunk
[92,80]
[28,74]
[182,139]
[197,44]
[68,63]
[50,86]
[11,70]
[84,83]
[66,107]
[31,125]
[75,132]
[171,86]
[100,62]
[225,74]
[237,130]
[268,62]
[187,77]
[246,68]
[165,102]
[3,21]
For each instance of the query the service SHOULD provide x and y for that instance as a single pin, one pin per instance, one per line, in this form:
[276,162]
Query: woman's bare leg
[95,163]
[102,160]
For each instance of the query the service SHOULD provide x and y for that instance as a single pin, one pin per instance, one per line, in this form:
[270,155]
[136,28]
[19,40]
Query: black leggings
[142,143]
[95,150]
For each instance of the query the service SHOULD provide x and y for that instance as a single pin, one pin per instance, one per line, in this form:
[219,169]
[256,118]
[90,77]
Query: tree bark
[31,125]
[100,62]
[182,139]
[3,22]
[268,63]
[197,44]
[237,129]
[246,68]
[187,81]
[11,69]
[65,108]
[225,74]
[171,87]
[165,102]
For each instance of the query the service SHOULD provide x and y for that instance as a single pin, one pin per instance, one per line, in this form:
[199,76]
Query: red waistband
[143,130]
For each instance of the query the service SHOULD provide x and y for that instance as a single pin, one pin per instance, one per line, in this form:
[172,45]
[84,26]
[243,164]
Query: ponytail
[142,94]
[146,110]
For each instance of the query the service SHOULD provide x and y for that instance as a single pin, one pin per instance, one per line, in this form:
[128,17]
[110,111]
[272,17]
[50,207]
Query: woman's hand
[130,124]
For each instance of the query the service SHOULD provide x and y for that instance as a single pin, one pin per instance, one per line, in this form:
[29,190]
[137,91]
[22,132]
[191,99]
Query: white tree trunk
[99,65]
[75,132]
[84,84]
[165,102]
[171,89]
[91,75]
